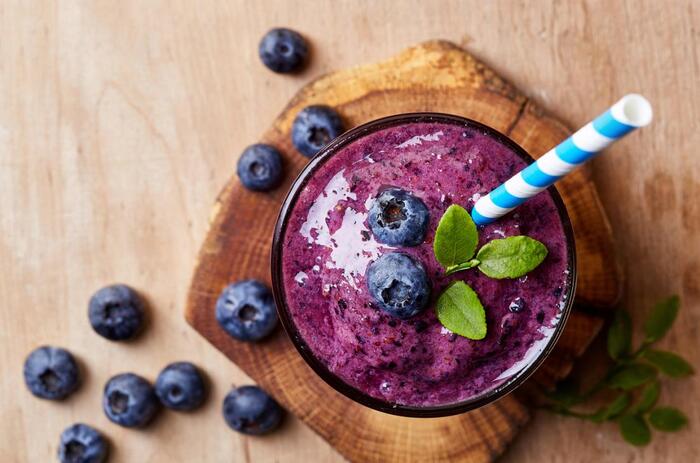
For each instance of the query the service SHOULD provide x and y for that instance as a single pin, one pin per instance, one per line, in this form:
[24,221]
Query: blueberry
[250,410]
[398,218]
[129,400]
[246,310]
[314,127]
[180,386]
[283,50]
[260,167]
[116,312]
[51,373]
[399,284]
[81,443]
[517,305]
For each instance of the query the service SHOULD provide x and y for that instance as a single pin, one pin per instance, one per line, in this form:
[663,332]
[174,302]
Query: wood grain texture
[434,76]
[121,121]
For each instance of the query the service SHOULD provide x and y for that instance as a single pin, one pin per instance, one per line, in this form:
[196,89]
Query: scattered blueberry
[398,218]
[81,443]
[51,373]
[180,386]
[250,410]
[283,50]
[399,284]
[116,312]
[129,400]
[246,310]
[517,305]
[260,167]
[314,127]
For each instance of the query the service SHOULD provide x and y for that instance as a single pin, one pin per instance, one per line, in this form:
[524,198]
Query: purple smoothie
[327,246]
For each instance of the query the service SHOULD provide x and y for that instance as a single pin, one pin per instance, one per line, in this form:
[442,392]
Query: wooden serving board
[435,76]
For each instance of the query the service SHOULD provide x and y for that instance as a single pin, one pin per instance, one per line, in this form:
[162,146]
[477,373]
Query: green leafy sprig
[456,238]
[632,379]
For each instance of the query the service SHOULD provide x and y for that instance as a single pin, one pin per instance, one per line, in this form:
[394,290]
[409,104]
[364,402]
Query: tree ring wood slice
[434,76]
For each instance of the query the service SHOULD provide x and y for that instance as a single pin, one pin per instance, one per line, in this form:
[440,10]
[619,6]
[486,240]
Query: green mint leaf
[661,318]
[465,266]
[455,238]
[620,335]
[460,311]
[617,406]
[647,398]
[613,409]
[631,376]
[668,419]
[510,257]
[668,363]
[634,429]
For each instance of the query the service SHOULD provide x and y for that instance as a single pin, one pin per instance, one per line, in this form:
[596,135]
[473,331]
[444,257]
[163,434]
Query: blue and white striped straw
[631,112]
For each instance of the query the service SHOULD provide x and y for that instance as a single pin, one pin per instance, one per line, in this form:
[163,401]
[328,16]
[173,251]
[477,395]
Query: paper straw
[631,112]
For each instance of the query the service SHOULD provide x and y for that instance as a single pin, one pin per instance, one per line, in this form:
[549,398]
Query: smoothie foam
[327,246]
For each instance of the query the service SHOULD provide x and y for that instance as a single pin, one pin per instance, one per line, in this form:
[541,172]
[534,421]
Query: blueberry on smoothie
[246,310]
[250,410]
[81,443]
[129,400]
[180,386]
[517,305]
[399,285]
[283,50]
[116,312]
[314,127]
[398,218]
[260,167]
[51,373]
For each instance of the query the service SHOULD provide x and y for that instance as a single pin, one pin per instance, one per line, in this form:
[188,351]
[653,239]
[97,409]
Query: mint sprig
[635,430]
[668,419]
[613,409]
[633,377]
[511,257]
[456,238]
[661,318]
[620,335]
[647,398]
[668,363]
[459,310]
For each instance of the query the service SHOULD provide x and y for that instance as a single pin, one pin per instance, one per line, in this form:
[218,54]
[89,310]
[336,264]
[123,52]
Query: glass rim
[318,366]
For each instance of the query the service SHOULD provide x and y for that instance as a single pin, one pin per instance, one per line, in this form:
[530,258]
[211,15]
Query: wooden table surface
[120,122]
